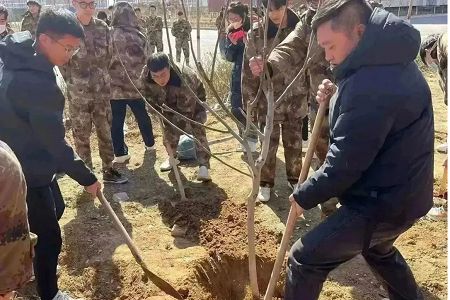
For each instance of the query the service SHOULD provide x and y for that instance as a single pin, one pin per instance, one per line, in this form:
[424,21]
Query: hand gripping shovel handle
[292,218]
[159,282]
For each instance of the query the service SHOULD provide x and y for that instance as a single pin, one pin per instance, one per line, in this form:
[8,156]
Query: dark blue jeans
[45,208]
[119,110]
[338,239]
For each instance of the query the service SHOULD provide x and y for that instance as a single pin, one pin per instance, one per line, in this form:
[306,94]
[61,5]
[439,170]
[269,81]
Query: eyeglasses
[85,5]
[157,76]
[71,51]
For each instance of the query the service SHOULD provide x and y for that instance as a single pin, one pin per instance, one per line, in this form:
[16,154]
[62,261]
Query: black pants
[45,208]
[340,238]
[119,110]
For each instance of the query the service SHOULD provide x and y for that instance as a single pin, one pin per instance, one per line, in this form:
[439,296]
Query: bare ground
[210,262]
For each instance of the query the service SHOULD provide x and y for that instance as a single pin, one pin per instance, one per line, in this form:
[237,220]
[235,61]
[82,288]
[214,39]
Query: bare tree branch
[165,107]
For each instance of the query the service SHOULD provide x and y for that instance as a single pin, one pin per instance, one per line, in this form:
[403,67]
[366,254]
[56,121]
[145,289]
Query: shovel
[292,218]
[158,281]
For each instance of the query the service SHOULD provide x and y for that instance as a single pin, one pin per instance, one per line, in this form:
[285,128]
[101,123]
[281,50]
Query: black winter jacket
[31,114]
[380,160]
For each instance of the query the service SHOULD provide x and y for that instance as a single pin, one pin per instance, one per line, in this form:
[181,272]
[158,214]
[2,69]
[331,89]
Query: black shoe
[113,176]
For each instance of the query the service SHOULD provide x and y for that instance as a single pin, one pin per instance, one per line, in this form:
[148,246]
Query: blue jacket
[31,114]
[235,54]
[380,160]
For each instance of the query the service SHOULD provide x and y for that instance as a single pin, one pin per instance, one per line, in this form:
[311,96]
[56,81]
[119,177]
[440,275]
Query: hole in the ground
[226,277]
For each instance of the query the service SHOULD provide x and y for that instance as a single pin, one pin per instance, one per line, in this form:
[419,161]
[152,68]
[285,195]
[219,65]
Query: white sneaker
[165,166]
[203,174]
[149,148]
[122,159]
[264,194]
[442,148]
[64,296]
[305,145]
[437,214]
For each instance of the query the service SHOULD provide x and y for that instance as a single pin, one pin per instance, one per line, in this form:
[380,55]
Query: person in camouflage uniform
[292,52]
[31,17]
[219,20]
[16,242]
[433,52]
[141,20]
[5,27]
[181,30]
[88,91]
[154,26]
[289,114]
[128,58]
[162,84]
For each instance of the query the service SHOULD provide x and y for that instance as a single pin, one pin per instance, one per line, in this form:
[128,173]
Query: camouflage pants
[291,134]
[182,44]
[155,41]
[172,136]
[329,206]
[83,114]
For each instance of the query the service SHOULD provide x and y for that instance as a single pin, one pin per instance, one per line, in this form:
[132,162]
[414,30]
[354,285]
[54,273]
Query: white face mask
[2,28]
[236,25]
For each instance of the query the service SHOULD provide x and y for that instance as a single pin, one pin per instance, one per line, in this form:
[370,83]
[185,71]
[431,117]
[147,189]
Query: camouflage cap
[37,2]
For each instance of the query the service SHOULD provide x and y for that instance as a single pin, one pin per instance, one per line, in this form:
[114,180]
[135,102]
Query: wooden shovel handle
[158,281]
[292,218]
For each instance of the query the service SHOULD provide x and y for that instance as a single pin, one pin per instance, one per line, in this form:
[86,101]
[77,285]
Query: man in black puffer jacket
[31,122]
[380,160]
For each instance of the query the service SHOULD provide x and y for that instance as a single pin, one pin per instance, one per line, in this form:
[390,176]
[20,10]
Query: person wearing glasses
[89,91]
[31,17]
[31,123]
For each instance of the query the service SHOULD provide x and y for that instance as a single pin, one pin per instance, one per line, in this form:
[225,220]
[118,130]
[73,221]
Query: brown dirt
[210,262]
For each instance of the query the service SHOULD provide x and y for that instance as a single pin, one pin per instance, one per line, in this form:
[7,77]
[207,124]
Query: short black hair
[158,61]
[4,11]
[429,43]
[137,9]
[58,23]
[102,15]
[153,6]
[110,7]
[343,14]
[180,13]
[277,4]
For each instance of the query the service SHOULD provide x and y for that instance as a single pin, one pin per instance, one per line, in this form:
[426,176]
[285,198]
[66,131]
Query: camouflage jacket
[6,32]
[153,24]
[87,74]
[141,23]
[176,94]
[181,29]
[294,105]
[15,239]
[442,62]
[29,23]
[292,53]
[220,27]
[128,53]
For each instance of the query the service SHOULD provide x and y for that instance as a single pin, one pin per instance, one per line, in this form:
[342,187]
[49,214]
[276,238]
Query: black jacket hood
[387,40]
[17,52]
